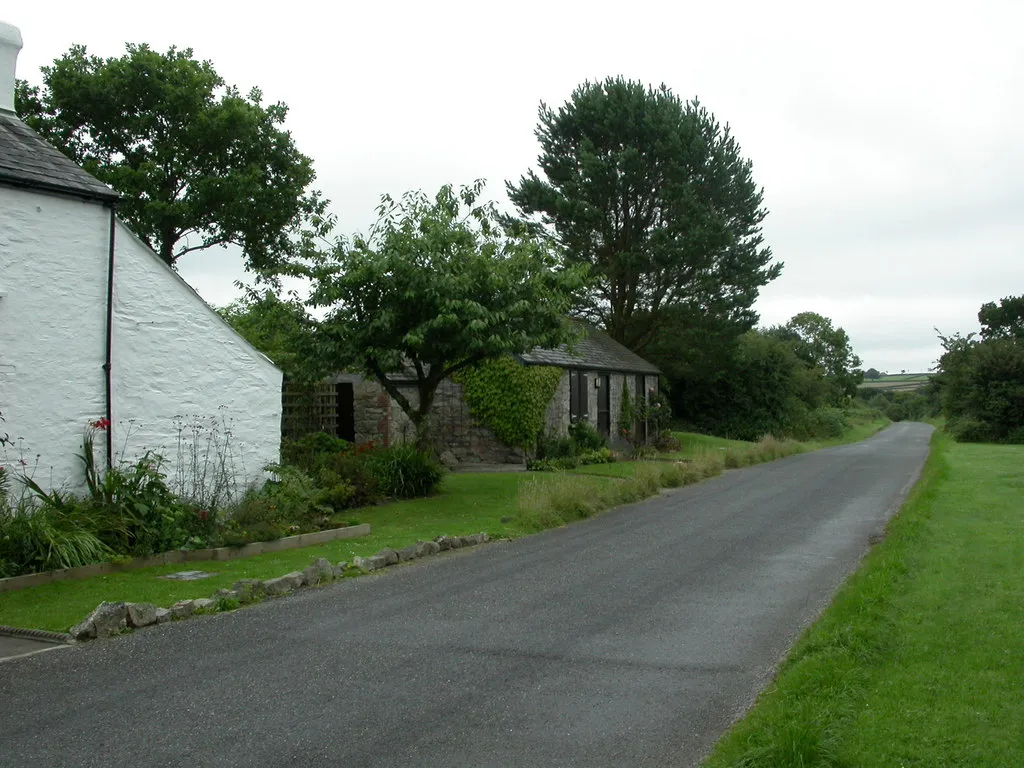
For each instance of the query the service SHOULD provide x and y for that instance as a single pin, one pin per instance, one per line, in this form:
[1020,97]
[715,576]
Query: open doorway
[346,412]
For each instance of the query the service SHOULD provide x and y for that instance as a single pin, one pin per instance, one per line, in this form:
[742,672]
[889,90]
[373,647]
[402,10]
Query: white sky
[886,135]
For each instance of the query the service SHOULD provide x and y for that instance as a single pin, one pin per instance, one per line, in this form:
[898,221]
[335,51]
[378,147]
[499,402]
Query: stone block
[389,555]
[183,609]
[426,548]
[141,614]
[408,553]
[372,563]
[282,585]
[248,589]
[106,620]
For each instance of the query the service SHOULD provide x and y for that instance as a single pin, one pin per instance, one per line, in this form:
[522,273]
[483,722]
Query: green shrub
[586,437]
[600,456]
[556,447]
[403,472]
[311,452]
[293,495]
[338,497]
[968,430]
[823,424]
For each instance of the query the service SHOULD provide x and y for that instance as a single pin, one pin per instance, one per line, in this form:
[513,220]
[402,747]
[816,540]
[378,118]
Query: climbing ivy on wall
[509,398]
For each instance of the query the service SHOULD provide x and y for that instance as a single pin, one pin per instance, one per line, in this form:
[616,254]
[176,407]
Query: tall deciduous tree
[1002,321]
[439,284]
[654,195]
[819,344]
[199,164]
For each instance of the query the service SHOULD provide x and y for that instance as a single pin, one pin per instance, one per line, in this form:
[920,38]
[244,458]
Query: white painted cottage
[94,325]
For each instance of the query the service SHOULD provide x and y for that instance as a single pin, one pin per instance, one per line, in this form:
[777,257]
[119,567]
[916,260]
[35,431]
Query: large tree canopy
[1002,321]
[439,284]
[654,195]
[198,163]
[980,382]
[818,343]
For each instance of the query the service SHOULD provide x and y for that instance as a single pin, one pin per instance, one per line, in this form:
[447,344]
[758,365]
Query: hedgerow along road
[633,638]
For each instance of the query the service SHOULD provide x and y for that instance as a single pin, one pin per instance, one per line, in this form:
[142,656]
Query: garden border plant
[130,510]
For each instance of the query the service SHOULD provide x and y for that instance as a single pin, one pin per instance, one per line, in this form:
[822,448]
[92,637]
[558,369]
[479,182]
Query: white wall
[53,266]
[186,385]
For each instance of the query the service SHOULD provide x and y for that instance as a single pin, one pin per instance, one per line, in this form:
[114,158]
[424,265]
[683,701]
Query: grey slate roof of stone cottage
[595,351]
[26,160]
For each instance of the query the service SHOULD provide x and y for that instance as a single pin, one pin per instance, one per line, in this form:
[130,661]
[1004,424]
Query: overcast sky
[887,135]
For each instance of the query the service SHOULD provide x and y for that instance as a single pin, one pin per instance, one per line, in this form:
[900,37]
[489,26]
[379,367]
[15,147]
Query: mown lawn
[919,661]
[468,503]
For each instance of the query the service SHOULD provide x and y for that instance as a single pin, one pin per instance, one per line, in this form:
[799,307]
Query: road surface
[634,638]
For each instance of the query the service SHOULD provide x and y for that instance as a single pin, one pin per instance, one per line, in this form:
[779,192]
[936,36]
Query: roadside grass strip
[919,660]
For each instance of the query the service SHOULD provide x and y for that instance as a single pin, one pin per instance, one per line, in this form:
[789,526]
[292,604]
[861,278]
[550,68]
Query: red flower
[100,424]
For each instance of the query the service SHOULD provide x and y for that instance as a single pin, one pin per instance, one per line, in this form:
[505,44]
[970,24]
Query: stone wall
[381,419]
[556,418]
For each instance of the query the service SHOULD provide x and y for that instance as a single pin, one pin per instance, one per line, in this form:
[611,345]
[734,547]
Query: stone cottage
[95,327]
[595,372]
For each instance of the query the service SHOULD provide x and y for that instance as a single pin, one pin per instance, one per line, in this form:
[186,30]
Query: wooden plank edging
[14,583]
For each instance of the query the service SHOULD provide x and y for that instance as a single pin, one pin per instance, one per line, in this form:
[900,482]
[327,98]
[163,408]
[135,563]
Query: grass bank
[917,661]
[502,504]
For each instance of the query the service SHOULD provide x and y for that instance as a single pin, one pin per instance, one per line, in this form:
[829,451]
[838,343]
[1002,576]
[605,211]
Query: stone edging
[110,619]
[15,583]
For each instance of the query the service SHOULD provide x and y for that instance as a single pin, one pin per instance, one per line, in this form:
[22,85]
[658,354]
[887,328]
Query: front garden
[133,508]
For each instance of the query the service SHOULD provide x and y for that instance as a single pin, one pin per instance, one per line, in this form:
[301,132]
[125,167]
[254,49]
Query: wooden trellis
[309,408]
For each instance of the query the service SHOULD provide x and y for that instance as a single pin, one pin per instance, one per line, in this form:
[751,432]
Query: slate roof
[26,160]
[595,351]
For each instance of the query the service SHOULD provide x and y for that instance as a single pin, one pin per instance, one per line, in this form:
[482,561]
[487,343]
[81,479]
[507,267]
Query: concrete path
[632,639]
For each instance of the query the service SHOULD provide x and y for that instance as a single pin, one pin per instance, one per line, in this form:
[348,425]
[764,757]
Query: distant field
[898,382]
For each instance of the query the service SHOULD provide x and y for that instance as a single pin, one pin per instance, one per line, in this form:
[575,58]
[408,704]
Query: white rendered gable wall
[176,365]
[185,384]
[53,266]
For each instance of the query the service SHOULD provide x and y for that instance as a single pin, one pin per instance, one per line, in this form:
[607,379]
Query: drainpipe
[107,368]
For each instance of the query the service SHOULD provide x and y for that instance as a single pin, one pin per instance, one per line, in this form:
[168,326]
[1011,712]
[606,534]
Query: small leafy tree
[199,163]
[439,285]
[872,373]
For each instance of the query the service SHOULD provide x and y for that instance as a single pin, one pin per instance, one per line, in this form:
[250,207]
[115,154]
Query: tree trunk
[423,443]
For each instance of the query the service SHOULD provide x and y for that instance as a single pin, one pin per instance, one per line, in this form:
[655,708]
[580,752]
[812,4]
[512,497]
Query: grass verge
[916,662]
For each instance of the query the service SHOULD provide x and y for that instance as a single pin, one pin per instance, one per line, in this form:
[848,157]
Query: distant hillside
[898,382]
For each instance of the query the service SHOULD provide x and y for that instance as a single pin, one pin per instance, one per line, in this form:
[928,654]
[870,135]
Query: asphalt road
[634,638]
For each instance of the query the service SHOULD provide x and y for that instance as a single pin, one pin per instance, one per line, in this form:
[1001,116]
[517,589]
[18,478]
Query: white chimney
[10,44]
